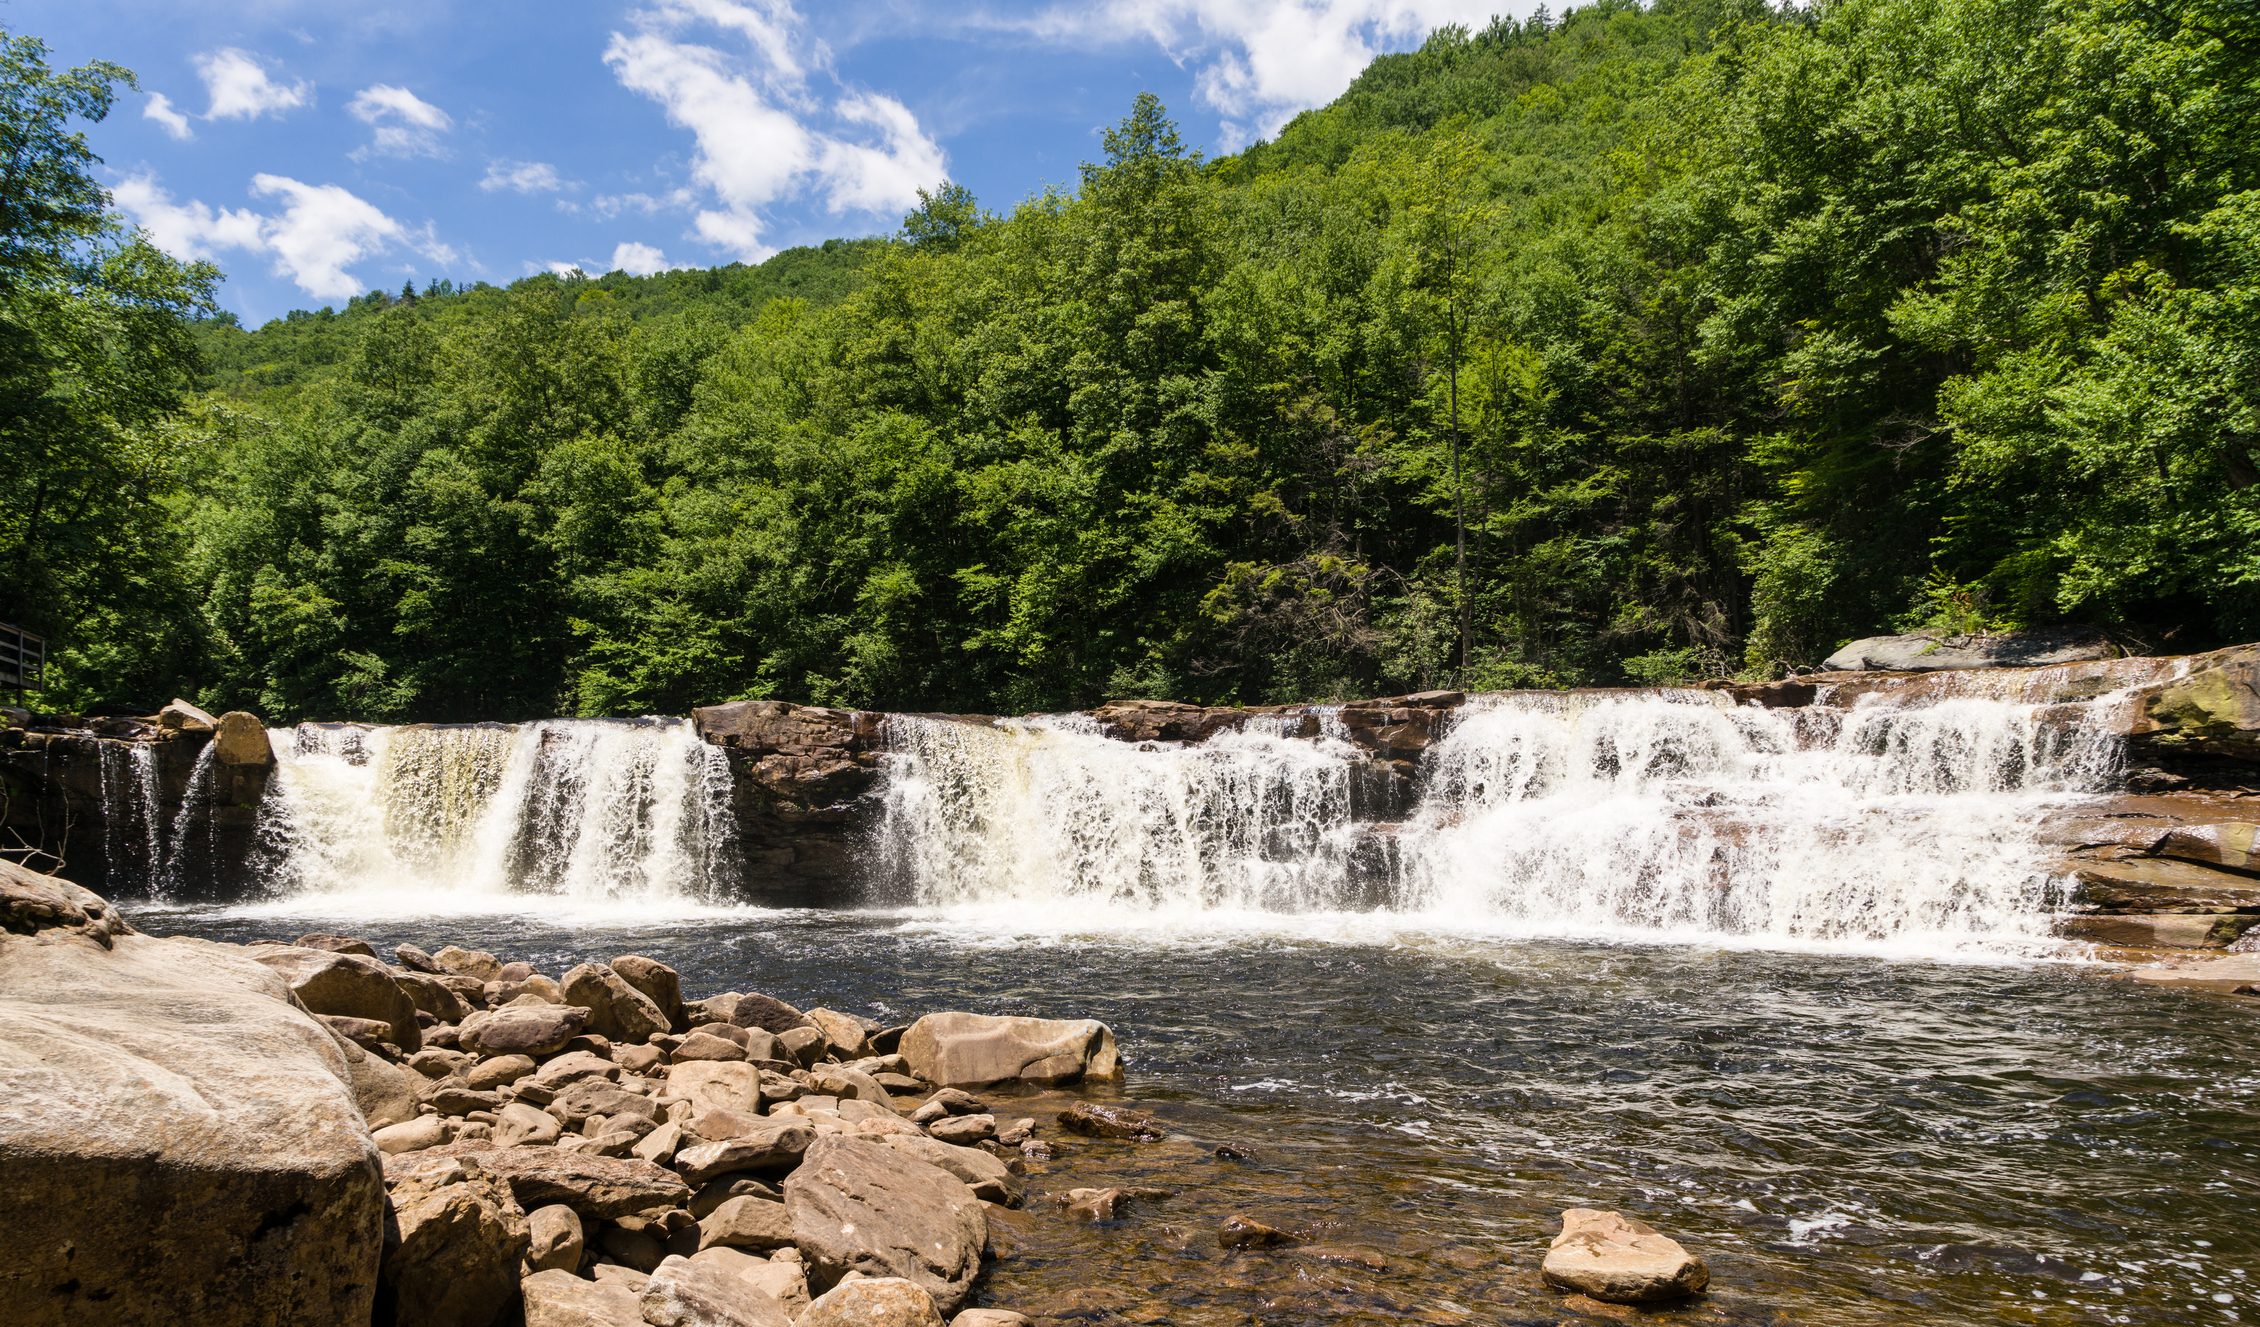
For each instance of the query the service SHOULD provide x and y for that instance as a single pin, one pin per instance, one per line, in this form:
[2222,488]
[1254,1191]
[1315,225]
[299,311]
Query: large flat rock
[178,1140]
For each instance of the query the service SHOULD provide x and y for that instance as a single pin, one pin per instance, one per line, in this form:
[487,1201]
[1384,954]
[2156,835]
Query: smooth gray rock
[1932,654]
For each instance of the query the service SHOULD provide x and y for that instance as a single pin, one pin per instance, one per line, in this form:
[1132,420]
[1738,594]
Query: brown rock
[385,1092]
[656,981]
[701,1046]
[599,1187]
[454,1243]
[874,1301]
[780,1143]
[964,1130]
[346,985]
[336,944]
[639,1059]
[1245,1232]
[805,1044]
[709,1199]
[180,1143]
[473,963]
[992,1318]
[684,1293]
[863,1206]
[32,904]
[434,996]
[554,1239]
[848,1036]
[501,1071]
[416,960]
[534,1030]
[835,1080]
[969,1050]
[241,740]
[416,1135]
[711,1085]
[770,1015]
[1099,1120]
[616,1009]
[1618,1260]
[989,1178]
[181,716]
[560,1299]
[595,1096]
[521,1125]
[747,1223]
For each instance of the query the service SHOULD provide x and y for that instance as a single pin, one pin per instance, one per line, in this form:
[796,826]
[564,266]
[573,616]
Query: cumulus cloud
[241,90]
[525,177]
[763,136]
[639,259]
[316,233]
[160,109]
[406,124]
[1258,62]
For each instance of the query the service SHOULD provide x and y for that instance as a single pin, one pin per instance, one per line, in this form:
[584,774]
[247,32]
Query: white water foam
[592,816]
[1660,816]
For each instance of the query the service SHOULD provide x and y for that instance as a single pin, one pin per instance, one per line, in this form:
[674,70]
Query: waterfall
[133,833]
[586,810]
[1646,813]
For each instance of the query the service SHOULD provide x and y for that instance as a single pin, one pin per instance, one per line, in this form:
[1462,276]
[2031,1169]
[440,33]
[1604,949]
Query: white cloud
[1258,62]
[638,259]
[241,90]
[406,124]
[763,138]
[526,177]
[319,231]
[160,109]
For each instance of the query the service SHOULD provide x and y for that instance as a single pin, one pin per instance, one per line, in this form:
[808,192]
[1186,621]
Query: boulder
[992,1318]
[554,1239]
[616,1010]
[473,963]
[746,1223]
[990,1179]
[770,1015]
[2211,710]
[779,1143]
[836,1080]
[1095,1119]
[597,1096]
[969,1050]
[521,1125]
[500,1071]
[180,1141]
[686,1293]
[848,1036]
[181,716]
[964,1130]
[454,1243]
[415,1135]
[707,1200]
[241,739]
[716,1085]
[803,1044]
[561,1299]
[657,982]
[948,1101]
[600,1187]
[702,1046]
[367,1033]
[873,1301]
[434,997]
[385,1092]
[336,944]
[347,985]
[1931,654]
[862,1206]
[34,904]
[416,960]
[534,1030]
[1618,1260]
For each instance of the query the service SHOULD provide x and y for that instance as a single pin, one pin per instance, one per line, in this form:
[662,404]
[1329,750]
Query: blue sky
[315,151]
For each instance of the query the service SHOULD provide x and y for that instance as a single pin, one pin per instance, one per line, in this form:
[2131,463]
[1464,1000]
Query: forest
[1645,343]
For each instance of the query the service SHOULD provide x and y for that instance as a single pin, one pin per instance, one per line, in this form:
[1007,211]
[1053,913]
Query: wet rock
[555,1239]
[717,1085]
[848,1036]
[778,1143]
[179,1142]
[970,1050]
[686,1293]
[747,1223]
[1619,1260]
[964,1130]
[474,963]
[1092,1204]
[873,1301]
[1095,1119]
[863,1206]
[1245,1232]
[988,1177]
[1016,1133]
[2159,930]
[771,1015]
[560,1299]
[348,986]
[599,1187]
[617,1010]
[2221,975]
[336,944]
[534,1030]
[454,1242]
[1235,1151]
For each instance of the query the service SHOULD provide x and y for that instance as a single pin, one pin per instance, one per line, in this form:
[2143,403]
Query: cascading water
[1646,813]
[586,810]
[133,828]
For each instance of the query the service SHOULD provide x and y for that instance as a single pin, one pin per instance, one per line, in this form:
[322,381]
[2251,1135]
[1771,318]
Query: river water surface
[1847,1138]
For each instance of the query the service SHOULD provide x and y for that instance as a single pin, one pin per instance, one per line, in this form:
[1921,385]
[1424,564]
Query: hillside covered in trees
[1762,330]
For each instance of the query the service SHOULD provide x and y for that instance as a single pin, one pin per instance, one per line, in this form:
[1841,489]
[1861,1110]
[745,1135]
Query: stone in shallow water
[1245,1232]
[1619,1260]
[1098,1120]
[959,1049]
